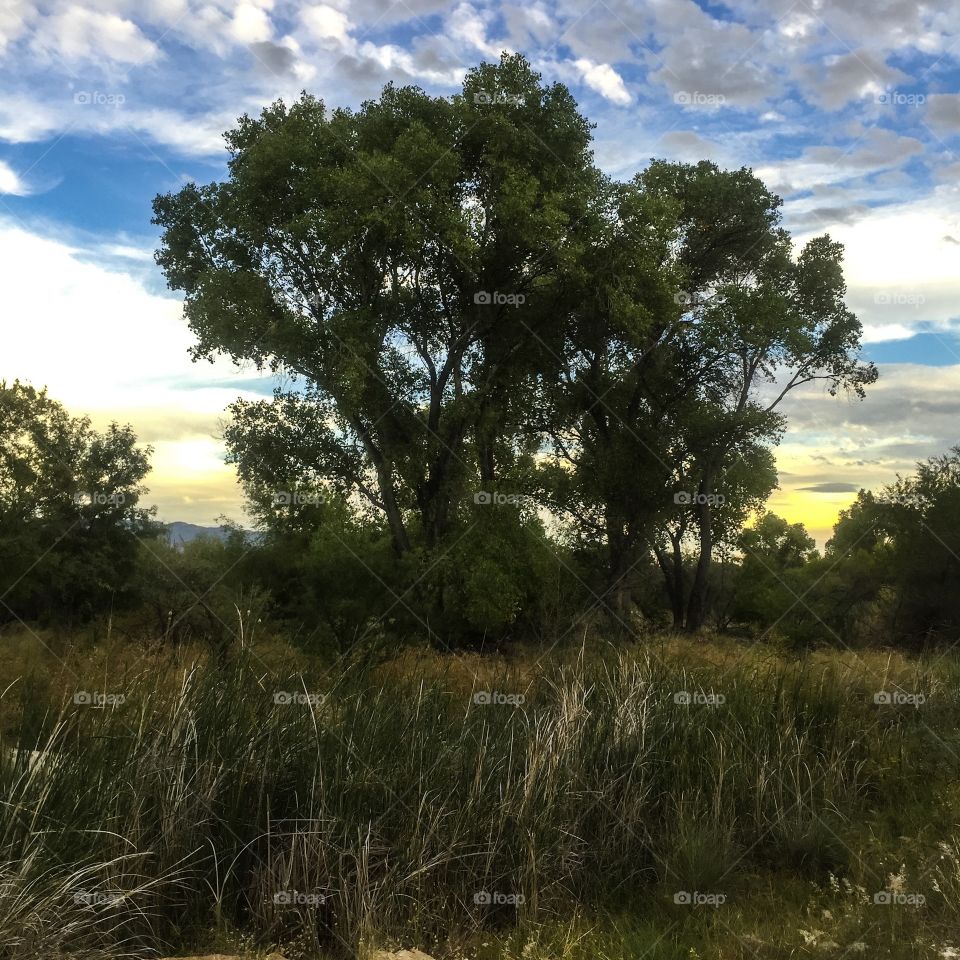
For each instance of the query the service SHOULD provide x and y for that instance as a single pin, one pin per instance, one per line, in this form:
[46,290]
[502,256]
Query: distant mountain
[179,532]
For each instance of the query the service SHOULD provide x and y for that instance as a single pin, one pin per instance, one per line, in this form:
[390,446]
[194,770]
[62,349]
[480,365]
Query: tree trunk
[488,473]
[672,568]
[435,517]
[486,431]
[676,601]
[398,532]
[697,605]
[617,590]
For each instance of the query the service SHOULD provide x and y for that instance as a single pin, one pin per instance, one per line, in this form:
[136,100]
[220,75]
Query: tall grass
[425,802]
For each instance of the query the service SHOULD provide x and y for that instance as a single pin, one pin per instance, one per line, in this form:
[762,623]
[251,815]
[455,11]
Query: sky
[848,110]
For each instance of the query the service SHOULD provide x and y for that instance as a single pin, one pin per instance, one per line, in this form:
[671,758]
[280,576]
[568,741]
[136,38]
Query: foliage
[70,519]
[772,553]
[396,793]
[467,305]
[369,255]
[203,590]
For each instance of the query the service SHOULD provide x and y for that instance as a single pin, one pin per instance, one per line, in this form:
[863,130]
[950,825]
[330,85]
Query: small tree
[70,517]
[771,551]
[921,514]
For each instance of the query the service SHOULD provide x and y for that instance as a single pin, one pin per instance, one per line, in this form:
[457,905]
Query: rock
[34,758]
[400,955]
[227,956]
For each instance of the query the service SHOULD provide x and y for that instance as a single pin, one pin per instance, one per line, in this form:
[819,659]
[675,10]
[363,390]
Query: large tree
[402,262]
[674,371]
[459,295]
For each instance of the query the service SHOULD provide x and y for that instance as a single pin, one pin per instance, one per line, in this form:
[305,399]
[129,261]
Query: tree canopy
[70,516]
[468,311]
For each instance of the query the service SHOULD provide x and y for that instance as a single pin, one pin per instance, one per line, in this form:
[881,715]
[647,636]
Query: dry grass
[407,807]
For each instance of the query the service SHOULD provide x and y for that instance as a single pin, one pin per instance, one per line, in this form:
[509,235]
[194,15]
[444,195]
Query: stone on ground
[225,956]
[400,955]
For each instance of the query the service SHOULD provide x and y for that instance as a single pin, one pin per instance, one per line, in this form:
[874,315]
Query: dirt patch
[225,956]
[400,955]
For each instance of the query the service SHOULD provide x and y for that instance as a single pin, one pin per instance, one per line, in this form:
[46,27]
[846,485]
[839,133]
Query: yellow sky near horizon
[190,481]
[108,347]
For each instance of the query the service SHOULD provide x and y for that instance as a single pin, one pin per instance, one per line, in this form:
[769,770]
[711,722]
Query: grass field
[666,800]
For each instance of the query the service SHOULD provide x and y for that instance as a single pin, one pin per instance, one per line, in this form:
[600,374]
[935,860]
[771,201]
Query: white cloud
[23,119]
[713,61]
[901,272]
[250,24]
[602,78]
[883,332]
[364,67]
[10,182]
[14,15]
[798,25]
[108,348]
[325,23]
[943,112]
[127,252]
[87,112]
[689,146]
[840,79]
[529,24]
[469,27]
[78,33]
[873,149]
[373,64]
[199,135]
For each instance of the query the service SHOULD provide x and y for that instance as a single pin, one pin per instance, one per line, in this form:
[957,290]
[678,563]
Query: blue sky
[849,110]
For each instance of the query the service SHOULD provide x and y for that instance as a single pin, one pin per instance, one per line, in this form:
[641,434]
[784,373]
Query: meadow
[669,798]
[527,668]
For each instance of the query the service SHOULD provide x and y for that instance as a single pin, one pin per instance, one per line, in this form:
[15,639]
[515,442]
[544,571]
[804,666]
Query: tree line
[468,313]
[512,391]
[78,546]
